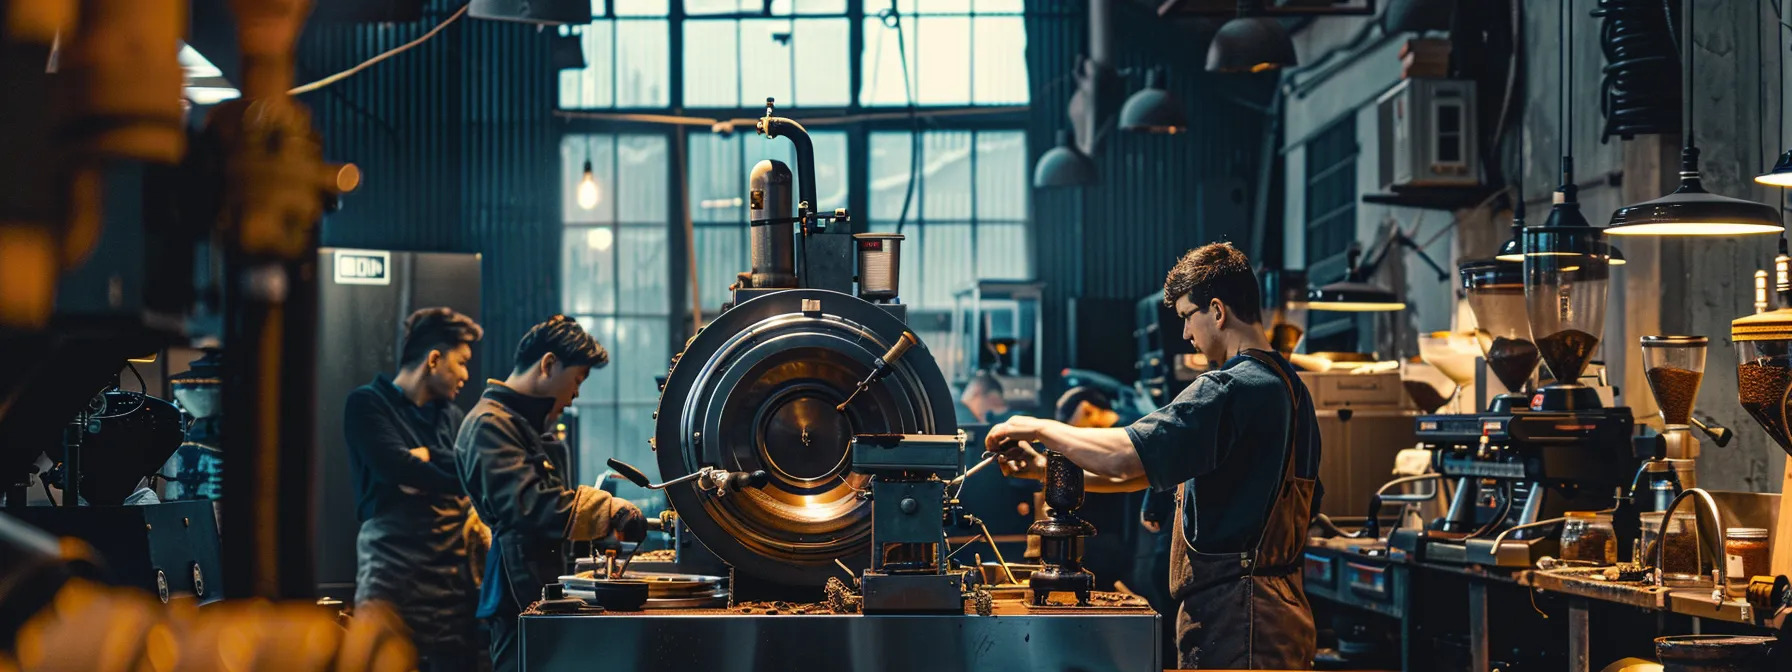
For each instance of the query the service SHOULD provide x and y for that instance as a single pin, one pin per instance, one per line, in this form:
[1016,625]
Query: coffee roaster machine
[806,437]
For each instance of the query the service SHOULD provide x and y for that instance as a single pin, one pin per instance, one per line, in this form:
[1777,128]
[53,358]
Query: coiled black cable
[1641,88]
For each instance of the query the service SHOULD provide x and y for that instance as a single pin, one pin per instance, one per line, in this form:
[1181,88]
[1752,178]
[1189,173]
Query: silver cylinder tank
[773,245]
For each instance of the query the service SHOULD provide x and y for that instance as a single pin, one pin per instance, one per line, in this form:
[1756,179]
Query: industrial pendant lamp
[1781,173]
[1566,232]
[1690,210]
[1064,165]
[1354,294]
[1250,44]
[1153,109]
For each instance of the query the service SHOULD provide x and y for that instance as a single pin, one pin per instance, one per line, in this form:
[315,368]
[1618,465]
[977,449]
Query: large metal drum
[757,389]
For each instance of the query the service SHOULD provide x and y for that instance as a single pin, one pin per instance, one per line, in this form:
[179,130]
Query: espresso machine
[1529,457]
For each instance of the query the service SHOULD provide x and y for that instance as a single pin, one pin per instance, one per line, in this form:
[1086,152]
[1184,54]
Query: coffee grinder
[1524,462]
[1763,384]
[1675,368]
[1495,292]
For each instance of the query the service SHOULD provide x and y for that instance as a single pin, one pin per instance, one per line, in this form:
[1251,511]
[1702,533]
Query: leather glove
[627,521]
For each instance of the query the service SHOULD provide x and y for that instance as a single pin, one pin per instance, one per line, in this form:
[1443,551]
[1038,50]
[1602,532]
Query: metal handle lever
[1717,432]
[884,366]
[708,478]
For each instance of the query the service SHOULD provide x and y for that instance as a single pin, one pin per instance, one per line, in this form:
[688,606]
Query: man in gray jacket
[530,503]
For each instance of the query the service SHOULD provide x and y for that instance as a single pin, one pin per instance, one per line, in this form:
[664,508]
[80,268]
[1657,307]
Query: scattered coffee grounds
[1566,353]
[1762,390]
[1675,390]
[1426,397]
[1512,361]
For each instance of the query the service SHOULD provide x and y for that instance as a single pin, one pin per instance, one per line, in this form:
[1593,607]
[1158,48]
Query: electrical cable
[1638,43]
[47,495]
[892,18]
[345,74]
[141,386]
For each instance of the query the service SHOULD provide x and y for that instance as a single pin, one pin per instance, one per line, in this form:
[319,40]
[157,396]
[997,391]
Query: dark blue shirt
[1225,436]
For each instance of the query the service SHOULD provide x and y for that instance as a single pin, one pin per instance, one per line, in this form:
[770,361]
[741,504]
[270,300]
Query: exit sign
[363,267]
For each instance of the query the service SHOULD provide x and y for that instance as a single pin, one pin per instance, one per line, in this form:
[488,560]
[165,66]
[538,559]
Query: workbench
[1365,576]
[1014,638]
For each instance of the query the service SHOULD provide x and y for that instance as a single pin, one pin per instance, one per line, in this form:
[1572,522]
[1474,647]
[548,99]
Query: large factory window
[1331,194]
[967,215]
[974,53]
[628,59]
[718,174]
[614,281]
[797,57]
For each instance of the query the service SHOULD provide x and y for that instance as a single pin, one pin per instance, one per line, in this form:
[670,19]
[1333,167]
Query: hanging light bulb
[588,195]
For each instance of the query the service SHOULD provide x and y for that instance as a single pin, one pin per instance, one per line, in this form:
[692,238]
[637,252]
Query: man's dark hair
[435,329]
[1216,271]
[564,337]
[984,381]
[1075,397]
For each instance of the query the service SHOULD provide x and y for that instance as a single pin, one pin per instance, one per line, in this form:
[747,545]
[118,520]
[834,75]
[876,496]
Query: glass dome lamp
[1495,292]
[1567,273]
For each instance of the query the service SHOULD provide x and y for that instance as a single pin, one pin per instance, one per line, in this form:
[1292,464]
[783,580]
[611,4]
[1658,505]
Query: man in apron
[400,432]
[1240,444]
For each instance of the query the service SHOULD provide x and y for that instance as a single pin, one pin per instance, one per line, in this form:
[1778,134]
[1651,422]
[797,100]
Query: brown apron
[1249,610]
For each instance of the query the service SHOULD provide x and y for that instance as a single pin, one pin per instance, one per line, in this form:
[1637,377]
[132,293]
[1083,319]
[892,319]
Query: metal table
[1012,640]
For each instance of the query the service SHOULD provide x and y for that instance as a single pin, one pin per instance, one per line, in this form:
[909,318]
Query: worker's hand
[1003,438]
[628,522]
[1021,461]
[420,453]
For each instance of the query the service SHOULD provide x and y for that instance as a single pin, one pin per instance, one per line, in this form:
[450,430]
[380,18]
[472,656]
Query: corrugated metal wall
[459,150]
[1117,239]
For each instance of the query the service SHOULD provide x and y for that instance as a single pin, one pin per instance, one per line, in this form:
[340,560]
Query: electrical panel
[1428,134]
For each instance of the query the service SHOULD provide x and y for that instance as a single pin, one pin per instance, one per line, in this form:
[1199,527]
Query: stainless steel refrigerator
[363,298]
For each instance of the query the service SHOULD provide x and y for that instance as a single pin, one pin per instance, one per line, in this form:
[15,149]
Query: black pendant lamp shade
[1354,294]
[1781,175]
[1692,211]
[1251,44]
[1064,165]
[544,12]
[1153,109]
[1353,297]
[1513,248]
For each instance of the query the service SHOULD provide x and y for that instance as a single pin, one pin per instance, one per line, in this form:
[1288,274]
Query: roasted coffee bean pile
[1675,390]
[1566,352]
[1762,391]
[1512,360]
